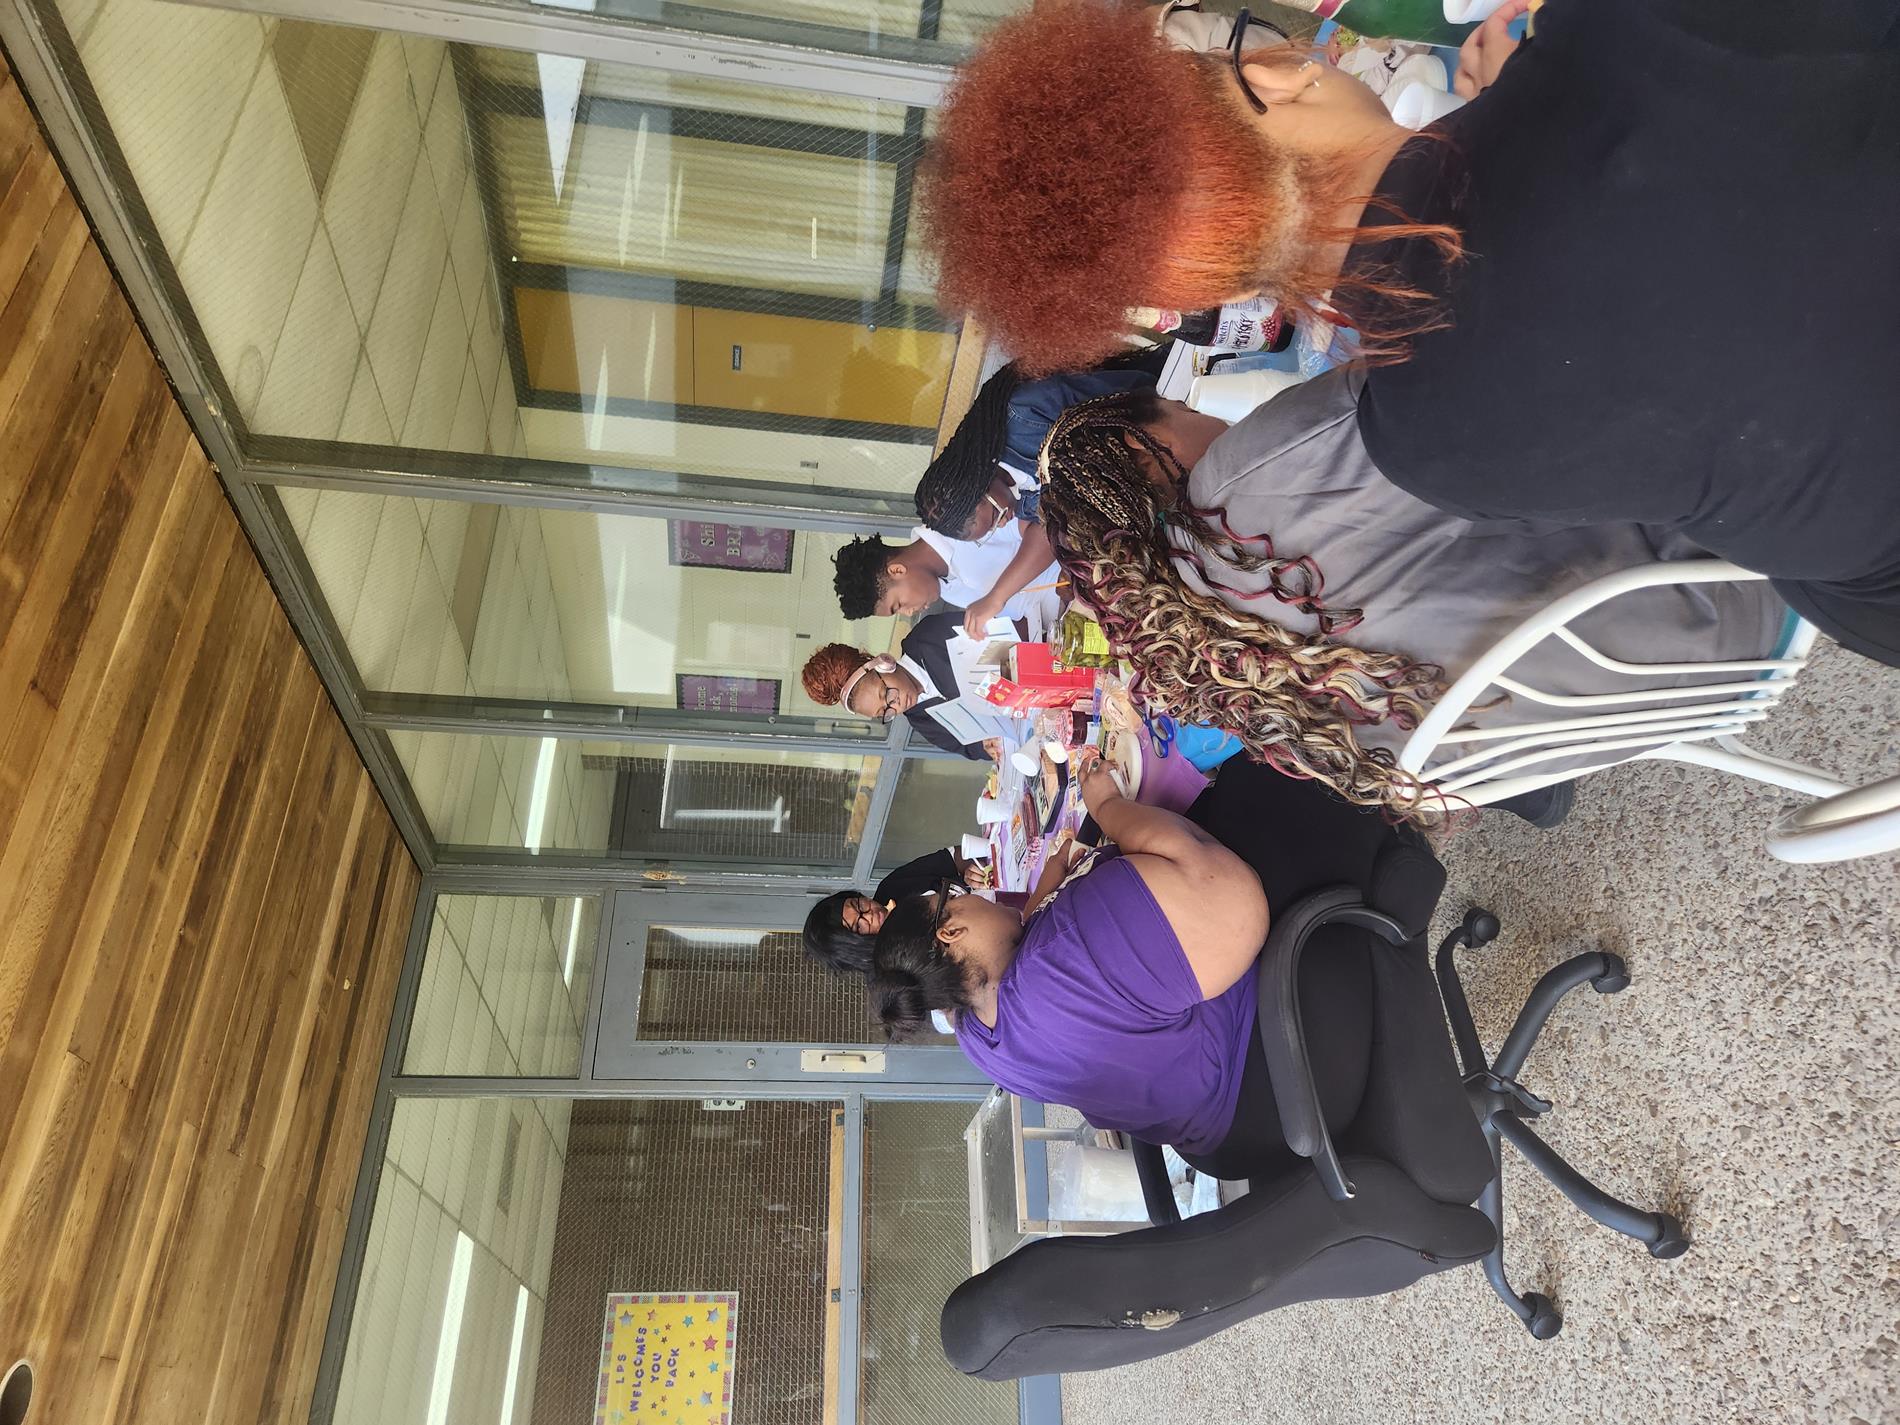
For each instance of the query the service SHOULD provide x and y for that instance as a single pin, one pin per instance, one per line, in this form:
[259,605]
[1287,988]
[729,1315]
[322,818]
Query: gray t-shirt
[1441,589]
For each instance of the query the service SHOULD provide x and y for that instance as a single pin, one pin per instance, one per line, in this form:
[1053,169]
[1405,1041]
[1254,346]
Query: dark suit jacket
[926,645]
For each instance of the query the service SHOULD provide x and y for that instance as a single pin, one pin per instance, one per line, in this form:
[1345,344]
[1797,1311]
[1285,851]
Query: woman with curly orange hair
[1568,294]
[920,684]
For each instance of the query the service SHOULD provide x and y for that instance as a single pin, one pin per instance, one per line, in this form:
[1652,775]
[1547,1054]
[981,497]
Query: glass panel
[750,986]
[934,806]
[451,1305]
[505,601]
[504,986]
[644,801]
[502,1226]
[955,23]
[390,241]
[916,1252]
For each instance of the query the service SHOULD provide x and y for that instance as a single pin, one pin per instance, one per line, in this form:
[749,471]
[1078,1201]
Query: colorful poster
[705,545]
[667,1358]
[711,692]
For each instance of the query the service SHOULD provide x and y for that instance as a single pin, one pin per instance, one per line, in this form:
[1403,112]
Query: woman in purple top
[1128,994]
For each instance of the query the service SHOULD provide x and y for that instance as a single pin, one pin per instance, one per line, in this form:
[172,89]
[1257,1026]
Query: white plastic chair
[1701,724]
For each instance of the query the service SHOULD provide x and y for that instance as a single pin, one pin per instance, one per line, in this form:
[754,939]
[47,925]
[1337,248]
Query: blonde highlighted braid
[1292,698]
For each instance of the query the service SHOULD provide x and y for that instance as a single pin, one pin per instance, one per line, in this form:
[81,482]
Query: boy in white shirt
[879,580]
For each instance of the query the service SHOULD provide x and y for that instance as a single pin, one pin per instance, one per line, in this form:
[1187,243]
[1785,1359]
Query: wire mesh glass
[673,1196]
[501,1226]
[504,987]
[916,1252]
[705,983]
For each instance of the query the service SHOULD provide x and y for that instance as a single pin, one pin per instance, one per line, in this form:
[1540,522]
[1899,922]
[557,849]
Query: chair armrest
[1157,1193]
[1282,1034]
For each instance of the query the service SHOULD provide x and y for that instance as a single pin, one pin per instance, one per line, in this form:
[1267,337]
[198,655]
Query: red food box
[1038,680]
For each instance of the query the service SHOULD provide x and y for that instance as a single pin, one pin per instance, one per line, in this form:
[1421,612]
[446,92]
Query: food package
[1037,679]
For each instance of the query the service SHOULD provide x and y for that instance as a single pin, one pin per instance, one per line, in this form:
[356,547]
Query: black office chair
[1389,1143]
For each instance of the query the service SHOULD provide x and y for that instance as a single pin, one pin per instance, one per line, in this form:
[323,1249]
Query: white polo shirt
[975,568]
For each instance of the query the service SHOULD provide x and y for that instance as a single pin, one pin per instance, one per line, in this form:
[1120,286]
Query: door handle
[841,1061]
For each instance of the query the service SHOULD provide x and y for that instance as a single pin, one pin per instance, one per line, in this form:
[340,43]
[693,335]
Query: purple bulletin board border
[681,552]
[681,680]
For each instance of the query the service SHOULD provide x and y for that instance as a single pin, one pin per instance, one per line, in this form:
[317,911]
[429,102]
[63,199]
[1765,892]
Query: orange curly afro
[1083,166]
[829,669]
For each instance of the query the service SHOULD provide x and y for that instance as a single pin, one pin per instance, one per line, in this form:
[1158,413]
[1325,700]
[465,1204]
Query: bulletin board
[666,1358]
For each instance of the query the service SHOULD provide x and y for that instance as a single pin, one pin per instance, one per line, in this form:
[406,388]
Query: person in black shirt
[842,927]
[1650,274]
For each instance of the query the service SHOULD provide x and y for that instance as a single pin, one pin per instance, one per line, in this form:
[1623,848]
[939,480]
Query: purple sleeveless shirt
[1101,1011]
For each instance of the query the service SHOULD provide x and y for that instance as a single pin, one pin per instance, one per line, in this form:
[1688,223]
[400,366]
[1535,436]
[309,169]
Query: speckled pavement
[1747,1080]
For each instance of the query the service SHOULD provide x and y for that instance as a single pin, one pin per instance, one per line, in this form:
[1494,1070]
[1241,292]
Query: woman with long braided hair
[977,499]
[1268,580]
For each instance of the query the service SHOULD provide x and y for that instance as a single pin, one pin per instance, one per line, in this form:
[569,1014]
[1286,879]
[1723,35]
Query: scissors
[1161,730]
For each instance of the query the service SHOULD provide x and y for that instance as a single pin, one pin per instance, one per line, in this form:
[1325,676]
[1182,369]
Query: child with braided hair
[978,499]
[1268,580]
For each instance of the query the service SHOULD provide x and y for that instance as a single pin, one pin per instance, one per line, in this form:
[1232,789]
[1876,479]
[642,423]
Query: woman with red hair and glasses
[920,684]
[1650,274]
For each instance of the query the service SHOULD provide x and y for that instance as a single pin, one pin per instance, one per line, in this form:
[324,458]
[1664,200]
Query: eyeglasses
[1234,45]
[1003,516]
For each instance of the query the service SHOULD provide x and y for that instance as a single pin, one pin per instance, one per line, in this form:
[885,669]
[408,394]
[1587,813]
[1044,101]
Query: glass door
[700,985]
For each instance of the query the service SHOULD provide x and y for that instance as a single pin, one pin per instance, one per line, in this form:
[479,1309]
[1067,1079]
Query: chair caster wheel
[1481,927]
[1546,1320]
[1673,1243]
[1614,980]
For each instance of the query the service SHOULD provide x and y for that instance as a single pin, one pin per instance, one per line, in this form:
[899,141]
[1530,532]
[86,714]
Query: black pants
[1255,1146]
[1336,995]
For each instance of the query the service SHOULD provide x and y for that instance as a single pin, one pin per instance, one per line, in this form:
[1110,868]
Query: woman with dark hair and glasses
[1650,274]
[920,684]
[841,928]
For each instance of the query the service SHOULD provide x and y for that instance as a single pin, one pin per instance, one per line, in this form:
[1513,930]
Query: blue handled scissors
[1161,730]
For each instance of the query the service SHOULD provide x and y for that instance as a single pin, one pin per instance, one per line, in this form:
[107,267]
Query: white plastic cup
[975,848]
[1234,395]
[1419,104]
[990,810]
[1055,752]
[1027,760]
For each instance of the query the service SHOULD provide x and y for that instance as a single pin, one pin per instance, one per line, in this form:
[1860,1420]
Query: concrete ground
[1746,1080]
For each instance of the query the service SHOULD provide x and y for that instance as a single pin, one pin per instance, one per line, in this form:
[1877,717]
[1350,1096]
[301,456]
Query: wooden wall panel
[203,903]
